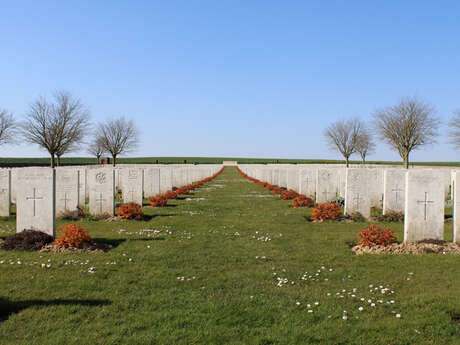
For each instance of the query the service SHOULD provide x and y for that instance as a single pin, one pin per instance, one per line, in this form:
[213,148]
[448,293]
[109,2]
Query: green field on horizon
[43,161]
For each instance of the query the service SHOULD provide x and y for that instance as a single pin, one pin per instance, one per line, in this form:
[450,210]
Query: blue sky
[233,78]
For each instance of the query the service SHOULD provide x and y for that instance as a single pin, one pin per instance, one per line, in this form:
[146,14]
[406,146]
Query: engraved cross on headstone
[34,197]
[65,200]
[425,202]
[357,199]
[397,190]
[131,193]
[307,180]
[100,201]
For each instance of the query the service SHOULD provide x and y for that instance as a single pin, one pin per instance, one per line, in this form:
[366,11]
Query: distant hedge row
[21,162]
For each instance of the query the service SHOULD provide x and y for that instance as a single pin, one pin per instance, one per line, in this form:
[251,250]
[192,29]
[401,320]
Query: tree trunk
[58,161]
[52,161]
[406,160]
[98,159]
[347,162]
[114,159]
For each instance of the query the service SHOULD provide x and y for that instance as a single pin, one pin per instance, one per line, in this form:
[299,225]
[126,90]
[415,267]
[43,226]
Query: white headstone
[132,182]
[82,193]
[456,205]
[293,179]
[375,186]
[5,189]
[308,182]
[151,182]
[326,184]
[165,179]
[282,178]
[394,186]
[356,192]
[35,200]
[424,207]
[101,183]
[67,190]
[341,181]
[276,177]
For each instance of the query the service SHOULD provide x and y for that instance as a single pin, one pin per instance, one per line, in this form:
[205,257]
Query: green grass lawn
[233,265]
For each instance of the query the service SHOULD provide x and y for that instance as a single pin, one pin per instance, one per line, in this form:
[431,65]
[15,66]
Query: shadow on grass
[7,307]
[147,239]
[163,215]
[149,217]
[153,208]
[9,218]
[350,244]
[307,218]
[113,242]
[455,316]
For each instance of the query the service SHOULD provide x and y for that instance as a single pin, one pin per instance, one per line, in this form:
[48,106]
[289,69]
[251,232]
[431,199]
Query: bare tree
[407,126]
[365,144]
[58,126]
[7,127]
[343,135]
[117,136]
[454,129]
[95,148]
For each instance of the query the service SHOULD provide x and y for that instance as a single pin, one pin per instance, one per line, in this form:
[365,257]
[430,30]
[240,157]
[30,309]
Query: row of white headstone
[42,193]
[420,193]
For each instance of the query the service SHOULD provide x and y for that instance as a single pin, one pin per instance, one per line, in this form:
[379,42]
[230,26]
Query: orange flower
[130,211]
[322,212]
[302,201]
[376,236]
[72,236]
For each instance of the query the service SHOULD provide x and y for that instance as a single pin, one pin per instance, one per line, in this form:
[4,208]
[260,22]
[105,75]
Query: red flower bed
[130,211]
[323,212]
[183,190]
[285,194]
[302,201]
[158,201]
[288,194]
[170,195]
[376,236]
[278,190]
[72,236]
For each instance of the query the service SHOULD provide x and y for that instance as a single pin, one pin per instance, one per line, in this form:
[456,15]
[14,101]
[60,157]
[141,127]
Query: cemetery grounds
[229,264]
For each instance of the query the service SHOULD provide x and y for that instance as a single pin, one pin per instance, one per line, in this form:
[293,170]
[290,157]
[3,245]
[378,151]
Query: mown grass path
[206,271]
